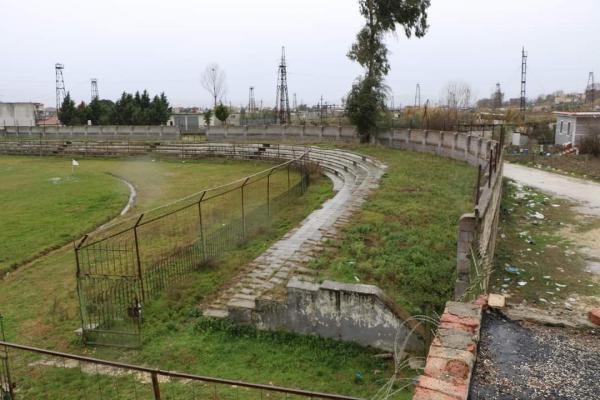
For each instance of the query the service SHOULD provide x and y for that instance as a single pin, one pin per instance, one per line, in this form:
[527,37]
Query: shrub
[590,145]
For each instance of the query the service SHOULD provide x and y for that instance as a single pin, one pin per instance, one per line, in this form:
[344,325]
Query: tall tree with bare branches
[213,80]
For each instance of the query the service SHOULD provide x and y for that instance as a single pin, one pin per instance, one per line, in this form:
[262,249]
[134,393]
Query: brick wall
[451,358]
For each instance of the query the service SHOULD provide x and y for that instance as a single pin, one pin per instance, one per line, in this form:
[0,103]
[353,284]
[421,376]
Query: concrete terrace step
[354,177]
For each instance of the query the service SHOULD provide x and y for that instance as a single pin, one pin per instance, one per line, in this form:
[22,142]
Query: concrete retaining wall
[116,132]
[299,133]
[359,313]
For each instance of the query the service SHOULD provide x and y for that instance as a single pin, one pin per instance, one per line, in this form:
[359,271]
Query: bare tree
[213,80]
[457,95]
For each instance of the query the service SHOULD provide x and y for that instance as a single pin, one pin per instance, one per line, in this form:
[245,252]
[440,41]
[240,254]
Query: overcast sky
[165,45]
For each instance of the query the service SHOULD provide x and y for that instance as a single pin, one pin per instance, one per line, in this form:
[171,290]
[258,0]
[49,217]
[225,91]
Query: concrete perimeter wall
[300,133]
[106,132]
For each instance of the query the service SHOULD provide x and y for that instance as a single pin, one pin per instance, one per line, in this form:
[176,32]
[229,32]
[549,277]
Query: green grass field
[45,205]
[403,240]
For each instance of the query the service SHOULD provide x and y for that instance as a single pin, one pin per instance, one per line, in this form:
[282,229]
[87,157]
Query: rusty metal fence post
[6,384]
[137,256]
[202,238]
[243,211]
[155,386]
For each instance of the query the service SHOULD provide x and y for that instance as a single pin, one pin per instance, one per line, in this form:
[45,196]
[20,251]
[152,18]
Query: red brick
[594,316]
[451,354]
[471,347]
[454,319]
[426,394]
[458,369]
[460,327]
[481,301]
[454,371]
[458,391]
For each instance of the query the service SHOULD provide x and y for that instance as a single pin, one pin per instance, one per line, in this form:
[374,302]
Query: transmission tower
[418,96]
[251,100]
[283,101]
[590,90]
[498,96]
[94,84]
[523,80]
[60,85]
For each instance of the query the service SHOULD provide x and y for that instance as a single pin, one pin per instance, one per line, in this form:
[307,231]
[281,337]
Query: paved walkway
[354,178]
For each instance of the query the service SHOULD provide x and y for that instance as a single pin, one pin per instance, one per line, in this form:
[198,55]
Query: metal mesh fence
[121,268]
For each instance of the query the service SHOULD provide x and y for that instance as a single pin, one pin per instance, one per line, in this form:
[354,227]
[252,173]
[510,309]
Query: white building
[17,114]
[572,127]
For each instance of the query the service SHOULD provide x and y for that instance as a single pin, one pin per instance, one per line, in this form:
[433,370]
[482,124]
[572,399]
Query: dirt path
[586,193]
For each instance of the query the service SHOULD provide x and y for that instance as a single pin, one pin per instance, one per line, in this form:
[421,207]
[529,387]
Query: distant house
[188,122]
[17,114]
[572,127]
[50,121]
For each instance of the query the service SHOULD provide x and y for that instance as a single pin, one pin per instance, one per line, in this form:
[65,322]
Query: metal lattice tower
[251,100]
[94,84]
[590,90]
[498,96]
[418,96]
[61,92]
[523,80]
[283,101]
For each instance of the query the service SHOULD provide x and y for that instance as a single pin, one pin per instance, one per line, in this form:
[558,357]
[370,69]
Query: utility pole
[523,81]
[321,109]
[282,99]
[61,92]
[418,96]
[94,84]
[251,100]
[295,104]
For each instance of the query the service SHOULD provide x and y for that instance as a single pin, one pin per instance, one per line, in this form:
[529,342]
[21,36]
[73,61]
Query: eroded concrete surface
[535,362]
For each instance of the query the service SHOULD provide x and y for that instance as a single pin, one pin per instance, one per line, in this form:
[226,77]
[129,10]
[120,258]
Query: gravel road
[584,192]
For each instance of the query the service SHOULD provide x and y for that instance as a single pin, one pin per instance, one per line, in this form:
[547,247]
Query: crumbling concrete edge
[349,312]
[453,352]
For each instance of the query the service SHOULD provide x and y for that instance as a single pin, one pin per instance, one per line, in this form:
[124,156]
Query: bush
[590,145]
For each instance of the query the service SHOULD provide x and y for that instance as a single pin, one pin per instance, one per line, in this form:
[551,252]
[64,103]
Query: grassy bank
[404,238]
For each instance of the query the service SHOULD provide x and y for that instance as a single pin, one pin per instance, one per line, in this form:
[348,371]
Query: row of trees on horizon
[129,109]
